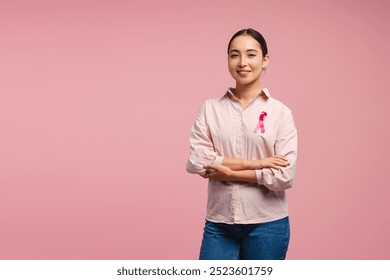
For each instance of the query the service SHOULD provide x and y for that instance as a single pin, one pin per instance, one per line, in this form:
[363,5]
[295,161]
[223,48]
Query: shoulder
[211,106]
[283,114]
[275,103]
[215,102]
[280,110]
[280,106]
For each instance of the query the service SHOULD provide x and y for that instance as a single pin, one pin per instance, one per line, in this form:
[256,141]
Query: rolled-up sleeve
[202,150]
[286,145]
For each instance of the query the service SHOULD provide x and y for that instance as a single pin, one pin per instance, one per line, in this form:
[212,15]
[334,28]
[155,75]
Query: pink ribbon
[260,125]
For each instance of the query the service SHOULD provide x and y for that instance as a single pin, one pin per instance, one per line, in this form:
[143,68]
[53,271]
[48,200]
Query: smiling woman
[245,144]
[248,57]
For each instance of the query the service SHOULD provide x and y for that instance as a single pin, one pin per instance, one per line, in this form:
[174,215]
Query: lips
[243,72]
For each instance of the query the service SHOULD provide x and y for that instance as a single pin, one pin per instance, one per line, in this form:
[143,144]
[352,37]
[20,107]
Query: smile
[243,72]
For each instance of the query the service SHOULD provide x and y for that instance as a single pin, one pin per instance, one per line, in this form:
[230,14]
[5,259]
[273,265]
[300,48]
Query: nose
[242,61]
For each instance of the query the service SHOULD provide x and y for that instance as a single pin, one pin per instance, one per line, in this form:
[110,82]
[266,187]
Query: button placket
[236,203]
[239,153]
[239,135]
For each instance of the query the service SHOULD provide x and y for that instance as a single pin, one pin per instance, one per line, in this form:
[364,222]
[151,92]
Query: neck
[247,92]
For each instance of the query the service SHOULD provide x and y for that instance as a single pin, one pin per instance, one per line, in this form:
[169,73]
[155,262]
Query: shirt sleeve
[286,145]
[202,150]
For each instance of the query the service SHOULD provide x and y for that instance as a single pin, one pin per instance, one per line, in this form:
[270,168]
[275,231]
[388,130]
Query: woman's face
[245,60]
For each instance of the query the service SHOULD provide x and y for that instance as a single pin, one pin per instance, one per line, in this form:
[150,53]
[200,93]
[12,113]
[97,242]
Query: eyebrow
[235,50]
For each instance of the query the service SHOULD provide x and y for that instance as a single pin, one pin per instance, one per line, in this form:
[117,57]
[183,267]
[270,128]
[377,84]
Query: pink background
[97,99]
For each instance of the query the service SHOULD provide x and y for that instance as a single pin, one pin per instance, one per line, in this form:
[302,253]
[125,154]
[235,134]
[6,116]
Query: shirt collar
[264,91]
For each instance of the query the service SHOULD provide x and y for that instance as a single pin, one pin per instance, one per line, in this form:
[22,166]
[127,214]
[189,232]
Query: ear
[266,60]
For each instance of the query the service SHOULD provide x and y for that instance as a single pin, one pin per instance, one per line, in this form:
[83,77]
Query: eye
[252,54]
[233,55]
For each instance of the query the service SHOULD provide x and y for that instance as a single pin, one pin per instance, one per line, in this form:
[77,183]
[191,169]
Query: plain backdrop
[96,103]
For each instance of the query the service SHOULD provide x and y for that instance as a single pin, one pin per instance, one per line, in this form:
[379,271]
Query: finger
[212,167]
[282,163]
[274,166]
[212,175]
[276,162]
[281,157]
[207,171]
[280,160]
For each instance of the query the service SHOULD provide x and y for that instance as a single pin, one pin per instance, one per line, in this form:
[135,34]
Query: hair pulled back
[255,34]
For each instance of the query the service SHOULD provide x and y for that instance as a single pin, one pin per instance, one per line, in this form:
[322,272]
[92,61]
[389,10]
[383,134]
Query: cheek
[231,67]
[257,64]
[231,64]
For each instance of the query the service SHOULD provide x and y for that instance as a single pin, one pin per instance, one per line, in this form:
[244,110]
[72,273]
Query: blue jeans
[264,241]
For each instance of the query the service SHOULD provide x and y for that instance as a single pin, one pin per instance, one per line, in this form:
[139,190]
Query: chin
[244,82]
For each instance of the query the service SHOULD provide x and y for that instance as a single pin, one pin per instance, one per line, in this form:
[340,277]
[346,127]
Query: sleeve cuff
[218,160]
[259,176]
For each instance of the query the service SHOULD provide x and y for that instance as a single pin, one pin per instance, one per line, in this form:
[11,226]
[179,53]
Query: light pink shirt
[223,129]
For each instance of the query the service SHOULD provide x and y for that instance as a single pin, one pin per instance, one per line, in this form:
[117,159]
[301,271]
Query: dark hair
[255,34]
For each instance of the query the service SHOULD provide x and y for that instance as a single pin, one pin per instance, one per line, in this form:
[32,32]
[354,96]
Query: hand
[271,162]
[218,172]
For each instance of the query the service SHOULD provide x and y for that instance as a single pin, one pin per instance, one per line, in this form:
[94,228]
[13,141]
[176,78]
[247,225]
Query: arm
[203,153]
[224,173]
[201,146]
[244,164]
[276,173]
[287,145]
[232,169]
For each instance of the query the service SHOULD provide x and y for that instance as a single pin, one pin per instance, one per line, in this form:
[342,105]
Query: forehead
[244,42]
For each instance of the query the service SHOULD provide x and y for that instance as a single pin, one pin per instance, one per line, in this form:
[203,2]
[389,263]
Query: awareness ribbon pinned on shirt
[260,125]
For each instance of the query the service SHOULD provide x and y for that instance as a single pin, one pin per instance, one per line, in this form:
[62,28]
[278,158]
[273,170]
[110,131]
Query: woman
[245,144]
